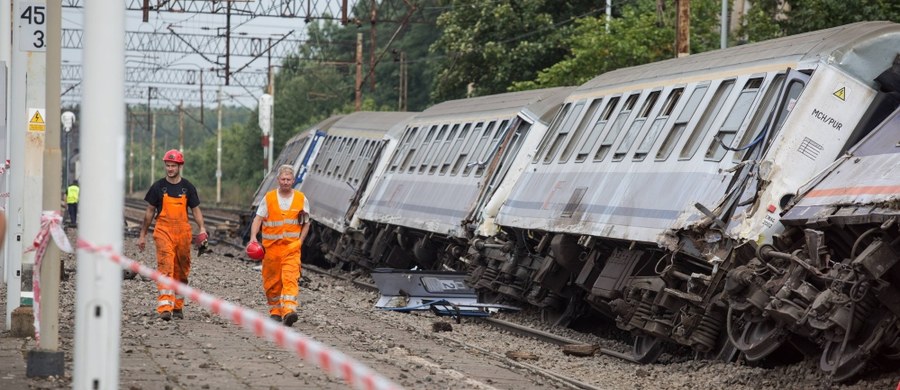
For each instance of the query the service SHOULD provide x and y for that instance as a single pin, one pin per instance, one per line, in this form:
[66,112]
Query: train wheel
[646,349]
[843,366]
[759,339]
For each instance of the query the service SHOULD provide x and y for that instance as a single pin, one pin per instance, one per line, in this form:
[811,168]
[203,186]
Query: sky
[189,23]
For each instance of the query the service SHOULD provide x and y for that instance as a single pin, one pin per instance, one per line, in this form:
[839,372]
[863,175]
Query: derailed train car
[299,151]
[450,162]
[340,175]
[831,278]
[655,180]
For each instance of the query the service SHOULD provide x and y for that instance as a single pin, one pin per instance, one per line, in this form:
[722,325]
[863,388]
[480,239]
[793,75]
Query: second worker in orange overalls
[169,199]
[284,217]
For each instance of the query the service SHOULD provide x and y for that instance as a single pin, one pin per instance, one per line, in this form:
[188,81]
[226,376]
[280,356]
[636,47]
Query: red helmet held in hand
[174,156]
[255,251]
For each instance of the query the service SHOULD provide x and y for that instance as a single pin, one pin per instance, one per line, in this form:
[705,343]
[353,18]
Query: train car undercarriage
[827,292]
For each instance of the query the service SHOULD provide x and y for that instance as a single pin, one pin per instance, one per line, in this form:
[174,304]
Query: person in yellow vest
[169,200]
[284,218]
[72,202]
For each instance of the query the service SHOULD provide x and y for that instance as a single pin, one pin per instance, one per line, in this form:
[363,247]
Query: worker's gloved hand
[202,242]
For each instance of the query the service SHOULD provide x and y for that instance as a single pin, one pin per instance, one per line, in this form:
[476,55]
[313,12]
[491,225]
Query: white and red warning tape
[331,361]
[51,222]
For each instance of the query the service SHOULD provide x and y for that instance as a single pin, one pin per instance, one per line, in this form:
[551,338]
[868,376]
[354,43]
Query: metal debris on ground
[444,293]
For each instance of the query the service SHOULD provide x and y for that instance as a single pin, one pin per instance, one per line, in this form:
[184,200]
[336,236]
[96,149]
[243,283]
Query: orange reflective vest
[282,227]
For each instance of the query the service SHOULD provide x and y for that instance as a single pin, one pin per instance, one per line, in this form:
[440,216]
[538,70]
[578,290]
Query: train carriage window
[636,126]
[551,132]
[712,110]
[734,120]
[681,122]
[441,153]
[579,131]
[479,148]
[595,132]
[433,149]
[408,149]
[422,148]
[616,127]
[454,150]
[761,117]
[492,148]
[463,156]
[562,131]
[664,113]
[403,147]
[349,159]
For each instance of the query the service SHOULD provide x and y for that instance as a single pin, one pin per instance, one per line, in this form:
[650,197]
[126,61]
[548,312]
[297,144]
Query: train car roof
[542,102]
[369,124]
[842,46]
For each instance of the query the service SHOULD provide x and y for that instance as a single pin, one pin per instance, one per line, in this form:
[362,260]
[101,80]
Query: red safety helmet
[255,251]
[174,156]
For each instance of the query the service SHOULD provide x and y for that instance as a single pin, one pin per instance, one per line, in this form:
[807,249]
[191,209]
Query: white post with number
[26,145]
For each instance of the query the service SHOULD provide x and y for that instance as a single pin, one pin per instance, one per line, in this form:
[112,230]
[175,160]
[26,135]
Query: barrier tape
[51,226]
[331,361]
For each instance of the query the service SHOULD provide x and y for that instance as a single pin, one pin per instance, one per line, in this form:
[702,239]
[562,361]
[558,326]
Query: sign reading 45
[32,22]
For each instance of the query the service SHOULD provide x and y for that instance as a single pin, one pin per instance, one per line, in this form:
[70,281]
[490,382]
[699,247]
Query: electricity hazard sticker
[841,93]
[36,120]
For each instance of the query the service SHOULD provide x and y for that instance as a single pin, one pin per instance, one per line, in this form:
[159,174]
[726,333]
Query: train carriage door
[515,132]
[757,139]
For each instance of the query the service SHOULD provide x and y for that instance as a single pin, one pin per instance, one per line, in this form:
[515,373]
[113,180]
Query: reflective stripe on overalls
[172,235]
[281,265]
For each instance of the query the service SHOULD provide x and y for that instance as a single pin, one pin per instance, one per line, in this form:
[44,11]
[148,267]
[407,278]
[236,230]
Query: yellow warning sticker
[841,93]
[36,120]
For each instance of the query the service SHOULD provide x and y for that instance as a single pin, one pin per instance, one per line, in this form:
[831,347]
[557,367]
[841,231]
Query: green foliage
[490,45]
[638,35]
[769,19]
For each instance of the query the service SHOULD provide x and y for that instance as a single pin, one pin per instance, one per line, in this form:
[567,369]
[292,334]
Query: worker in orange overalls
[284,218]
[169,199]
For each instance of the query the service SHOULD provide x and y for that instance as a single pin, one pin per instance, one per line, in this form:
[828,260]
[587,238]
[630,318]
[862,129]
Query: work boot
[165,316]
[178,313]
[290,318]
[275,317]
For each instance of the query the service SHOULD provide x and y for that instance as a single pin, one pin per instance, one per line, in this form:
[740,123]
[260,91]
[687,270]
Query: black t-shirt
[183,188]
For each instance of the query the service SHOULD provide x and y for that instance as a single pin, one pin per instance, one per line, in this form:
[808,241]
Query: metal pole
[219,149]
[359,54]
[153,149]
[181,126]
[131,157]
[608,14]
[50,265]
[98,292]
[5,52]
[26,145]
[724,23]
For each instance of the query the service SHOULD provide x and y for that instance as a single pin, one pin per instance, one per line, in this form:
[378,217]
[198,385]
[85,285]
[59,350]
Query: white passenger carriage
[338,178]
[651,175]
[450,162]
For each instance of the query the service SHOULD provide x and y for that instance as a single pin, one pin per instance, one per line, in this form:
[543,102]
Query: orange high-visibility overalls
[281,265]
[173,249]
